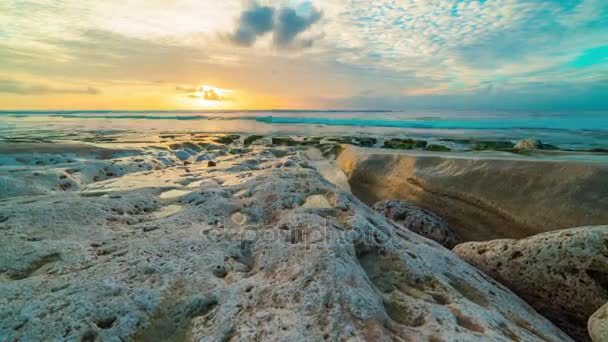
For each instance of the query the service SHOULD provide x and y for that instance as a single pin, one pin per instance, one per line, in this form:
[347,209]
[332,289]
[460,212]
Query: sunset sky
[383,54]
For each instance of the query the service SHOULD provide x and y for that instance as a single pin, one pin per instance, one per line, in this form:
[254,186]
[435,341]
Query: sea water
[568,130]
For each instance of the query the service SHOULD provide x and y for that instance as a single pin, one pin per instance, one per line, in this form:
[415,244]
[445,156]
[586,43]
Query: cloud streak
[21,88]
[205,93]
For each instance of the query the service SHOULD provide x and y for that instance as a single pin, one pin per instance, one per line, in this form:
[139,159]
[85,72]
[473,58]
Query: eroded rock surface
[232,253]
[418,220]
[562,274]
[485,197]
[598,325]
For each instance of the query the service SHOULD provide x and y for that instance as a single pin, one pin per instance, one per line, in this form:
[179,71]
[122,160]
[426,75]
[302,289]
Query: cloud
[186,89]
[254,21]
[285,24]
[400,49]
[289,24]
[15,87]
[205,93]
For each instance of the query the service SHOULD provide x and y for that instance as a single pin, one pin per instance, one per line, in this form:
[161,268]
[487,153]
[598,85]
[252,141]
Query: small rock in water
[211,163]
[250,139]
[528,144]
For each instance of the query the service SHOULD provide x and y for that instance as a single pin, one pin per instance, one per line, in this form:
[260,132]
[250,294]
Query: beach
[196,236]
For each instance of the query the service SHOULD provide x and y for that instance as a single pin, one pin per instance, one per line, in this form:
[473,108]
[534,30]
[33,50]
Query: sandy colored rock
[99,263]
[598,325]
[562,274]
[485,196]
[418,220]
[528,144]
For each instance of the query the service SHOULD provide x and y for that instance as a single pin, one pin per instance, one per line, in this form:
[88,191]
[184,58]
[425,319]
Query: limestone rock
[562,274]
[598,325]
[528,144]
[484,198]
[116,260]
[418,220]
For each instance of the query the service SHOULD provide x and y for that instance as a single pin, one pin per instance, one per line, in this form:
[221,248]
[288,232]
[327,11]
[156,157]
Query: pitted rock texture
[598,325]
[562,274]
[418,220]
[118,260]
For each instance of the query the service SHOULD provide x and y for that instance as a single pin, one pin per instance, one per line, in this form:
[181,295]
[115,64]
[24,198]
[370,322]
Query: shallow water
[569,130]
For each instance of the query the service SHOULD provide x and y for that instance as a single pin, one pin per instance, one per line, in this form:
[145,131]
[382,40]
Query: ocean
[567,130]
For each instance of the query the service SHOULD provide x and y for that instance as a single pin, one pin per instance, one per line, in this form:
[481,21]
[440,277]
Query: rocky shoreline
[244,238]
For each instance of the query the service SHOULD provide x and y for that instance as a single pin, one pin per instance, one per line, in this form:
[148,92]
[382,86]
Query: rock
[484,198]
[227,139]
[316,202]
[354,140]
[289,163]
[182,155]
[493,145]
[250,139]
[562,274]
[239,150]
[204,156]
[284,141]
[215,147]
[418,220]
[438,148]
[289,273]
[330,150]
[211,163]
[528,144]
[598,325]
[238,218]
[404,144]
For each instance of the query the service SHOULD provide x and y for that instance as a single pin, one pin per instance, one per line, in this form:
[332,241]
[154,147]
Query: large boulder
[562,274]
[598,325]
[418,220]
[230,254]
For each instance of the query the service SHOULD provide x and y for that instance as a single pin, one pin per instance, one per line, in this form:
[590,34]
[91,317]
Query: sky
[322,54]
